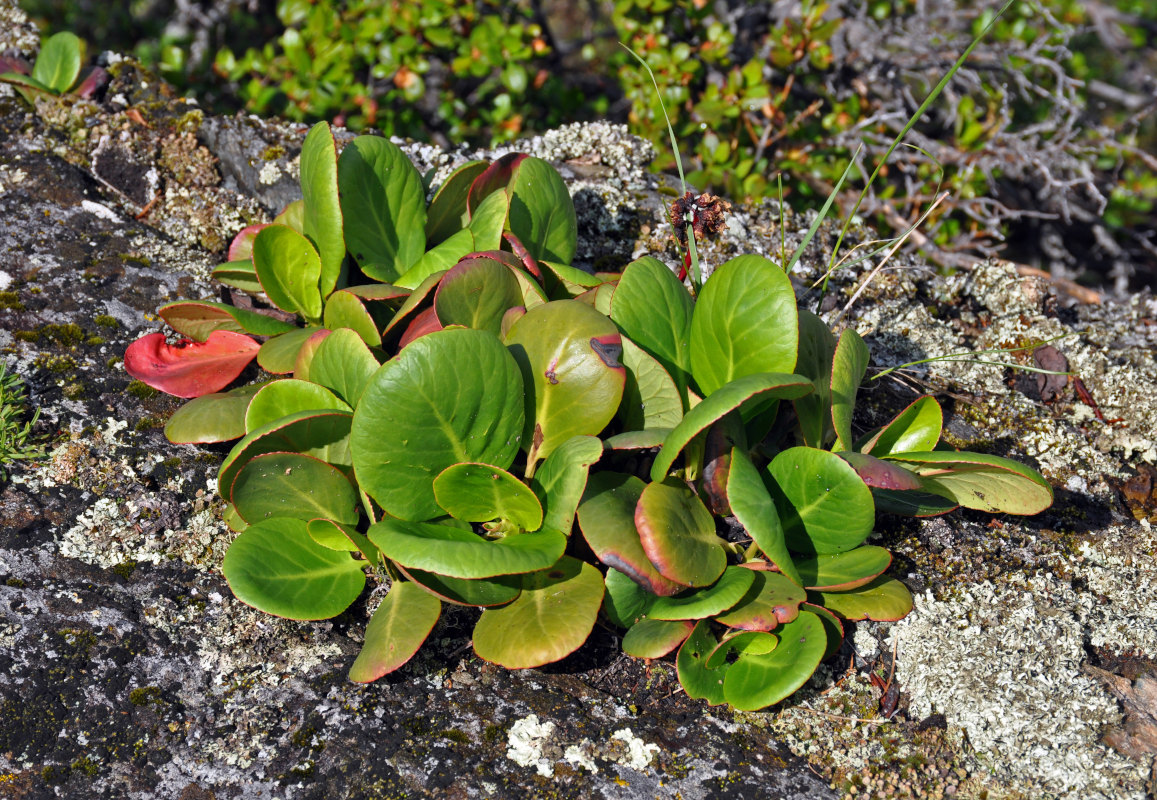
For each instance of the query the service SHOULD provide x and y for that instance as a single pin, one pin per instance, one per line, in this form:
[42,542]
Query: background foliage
[1045,142]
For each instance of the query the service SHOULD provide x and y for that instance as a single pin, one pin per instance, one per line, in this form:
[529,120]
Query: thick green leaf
[562,280]
[915,429]
[493,179]
[883,599]
[451,396]
[655,638]
[288,268]
[447,212]
[653,309]
[322,434]
[289,396]
[738,642]
[541,212]
[232,520]
[551,619]
[757,681]
[487,222]
[461,554]
[481,493]
[849,364]
[303,358]
[817,348]
[637,440]
[279,354]
[828,508]
[293,485]
[650,397]
[560,481]
[58,63]
[414,301]
[216,417]
[678,534]
[708,601]
[745,322]
[697,680]
[396,631]
[344,537]
[437,260]
[753,507]
[276,567]
[476,293]
[292,215]
[197,319]
[238,274]
[843,571]
[346,310]
[322,219]
[912,504]
[771,601]
[568,354]
[607,519]
[383,207]
[480,592]
[344,364]
[625,602]
[737,394]
[833,627]
[983,482]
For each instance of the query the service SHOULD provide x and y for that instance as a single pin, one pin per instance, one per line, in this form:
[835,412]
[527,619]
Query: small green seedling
[55,72]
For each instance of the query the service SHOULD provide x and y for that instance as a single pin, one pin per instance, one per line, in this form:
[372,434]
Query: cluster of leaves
[55,72]
[16,440]
[475,421]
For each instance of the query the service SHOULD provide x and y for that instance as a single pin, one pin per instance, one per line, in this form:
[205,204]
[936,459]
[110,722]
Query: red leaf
[190,369]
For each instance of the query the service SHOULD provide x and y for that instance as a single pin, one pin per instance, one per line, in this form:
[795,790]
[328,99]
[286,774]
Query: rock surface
[128,670]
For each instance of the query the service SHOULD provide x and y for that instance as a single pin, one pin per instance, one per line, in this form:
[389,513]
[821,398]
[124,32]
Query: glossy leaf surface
[293,485]
[817,347]
[216,417]
[447,212]
[757,681]
[915,429]
[461,554]
[607,519]
[706,602]
[276,567]
[883,599]
[449,397]
[383,207]
[655,638]
[561,479]
[771,600]
[343,364]
[541,212]
[653,308]
[476,293]
[568,355]
[843,571]
[481,493]
[700,682]
[678,534]
[344,309]
[828,509]
[745,322]
[737,394]
[396,631]
[650,397]
[322,434]
[279,354]
[983,482]
[58,63]
[322,217]
[282,398]
[481,592]
[197,319]
[848,367]
[289,268]
[551,619]
[753,507]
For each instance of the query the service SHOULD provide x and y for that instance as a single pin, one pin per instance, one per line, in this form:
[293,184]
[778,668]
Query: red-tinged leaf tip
[425,322]
[241,247]
[190,369]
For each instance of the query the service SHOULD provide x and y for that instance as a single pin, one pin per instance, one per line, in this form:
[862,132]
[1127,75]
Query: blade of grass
[969,357]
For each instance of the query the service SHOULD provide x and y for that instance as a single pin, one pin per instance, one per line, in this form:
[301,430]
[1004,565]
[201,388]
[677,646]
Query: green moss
[455,735]
[273,152]
[86,765]
[145,696]
[94,341]
[68,335]
[134,258]
[493,733]
[112,362]
[141,391]
[15,583]
[106,321]
[125,569]
[54,775]
[11,300]
[73,391]
[190,121]
[148,424]
[55,364]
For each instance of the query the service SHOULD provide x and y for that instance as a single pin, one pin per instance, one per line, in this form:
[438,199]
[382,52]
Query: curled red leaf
[188,368]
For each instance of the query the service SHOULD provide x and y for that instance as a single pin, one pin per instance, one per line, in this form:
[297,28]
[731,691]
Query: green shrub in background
[1044,141]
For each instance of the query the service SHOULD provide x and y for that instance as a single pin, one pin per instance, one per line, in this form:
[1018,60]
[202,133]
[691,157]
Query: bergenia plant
[468,419]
